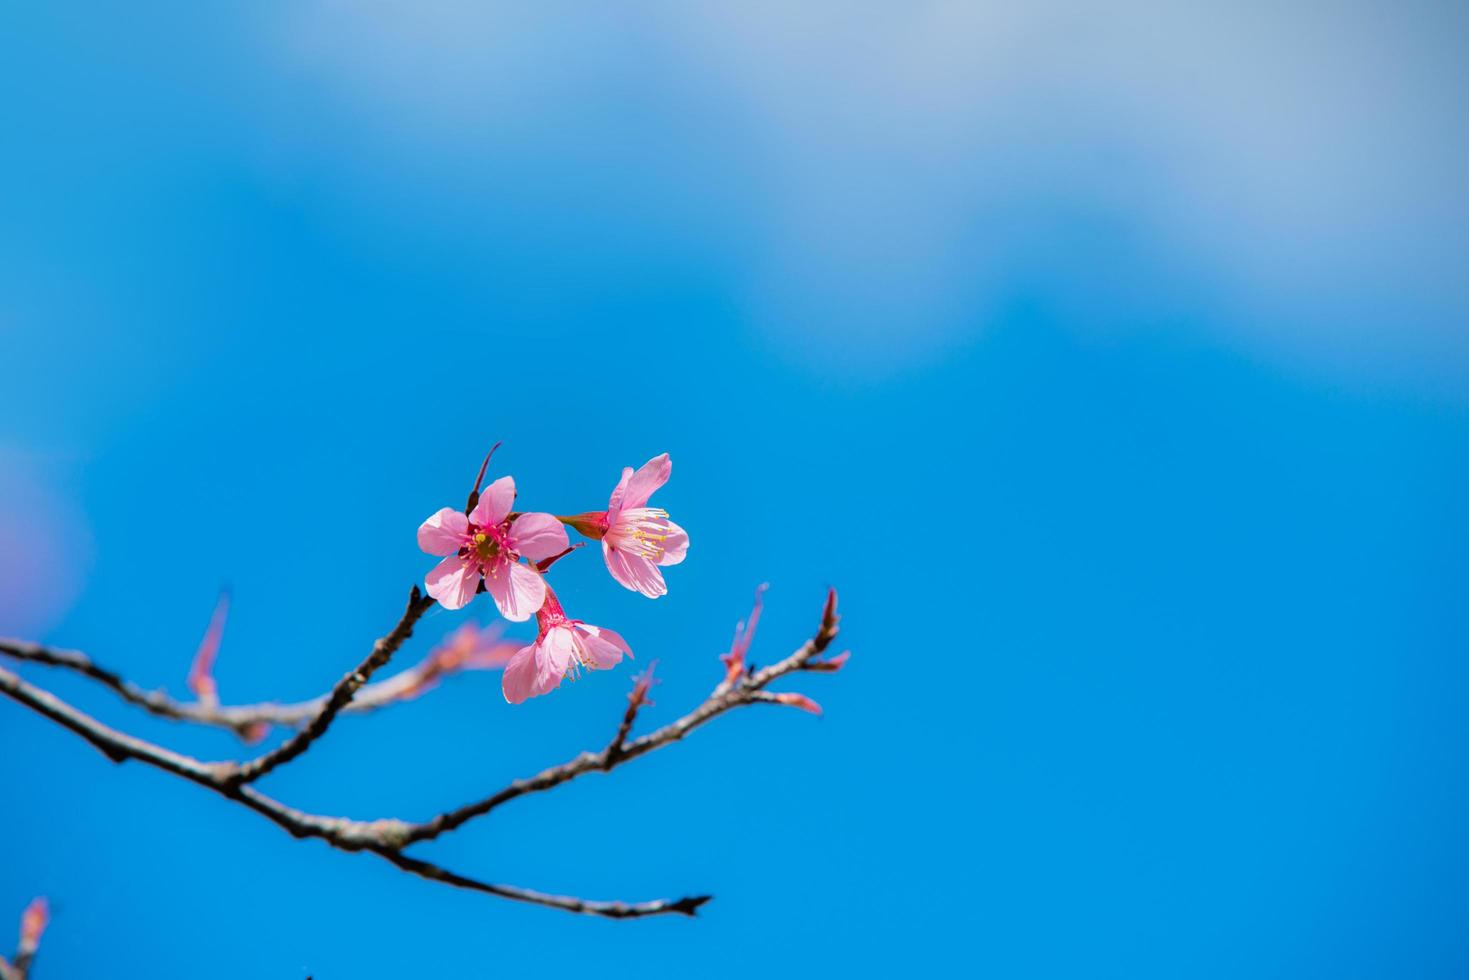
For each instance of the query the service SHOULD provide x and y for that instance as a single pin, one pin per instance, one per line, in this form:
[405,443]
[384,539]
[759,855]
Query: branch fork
[389,838]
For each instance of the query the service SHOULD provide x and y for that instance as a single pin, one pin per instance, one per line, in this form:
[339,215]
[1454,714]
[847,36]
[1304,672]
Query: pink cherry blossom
[562,648]
[487,546]
[636,538]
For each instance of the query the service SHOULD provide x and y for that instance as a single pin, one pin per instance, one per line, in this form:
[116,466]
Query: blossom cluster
[491,547]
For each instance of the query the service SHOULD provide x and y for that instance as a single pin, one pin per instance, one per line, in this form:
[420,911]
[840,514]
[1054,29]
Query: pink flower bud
[33,923]
[734,661]
[799,701]
[643,683]
[829,613]
[830,665]
[201,672]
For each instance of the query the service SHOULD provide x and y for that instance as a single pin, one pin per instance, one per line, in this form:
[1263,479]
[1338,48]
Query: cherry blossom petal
[547,683]
[518,682]
[614,505]
[675,545]
[634,572]
[453,582]
[517,589]
[649,477]
[538,536]
[495,502]
[557,655]
[444,532]
[604,647]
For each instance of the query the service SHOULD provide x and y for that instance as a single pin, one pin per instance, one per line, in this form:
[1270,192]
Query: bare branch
[611,910]
[250,721]
[120,747]
[380,837]
[741,692]
[636,698]
[154,702]
[387,838]
[340,696]
[110,742]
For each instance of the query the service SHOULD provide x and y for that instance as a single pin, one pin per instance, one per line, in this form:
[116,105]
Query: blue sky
[1114,368]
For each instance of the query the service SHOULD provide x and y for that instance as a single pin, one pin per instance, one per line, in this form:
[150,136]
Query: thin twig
[341,695]
[387,838]
[721,700]
[245,720]
[636,698]
[114,744]
[154,702]
[120,747]
[611,910]
[380,837]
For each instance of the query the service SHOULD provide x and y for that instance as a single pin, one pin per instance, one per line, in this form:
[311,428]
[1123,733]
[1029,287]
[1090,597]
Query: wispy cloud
[904,172]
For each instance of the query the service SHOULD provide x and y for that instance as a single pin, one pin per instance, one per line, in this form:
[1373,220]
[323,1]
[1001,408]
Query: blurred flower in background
[45,547]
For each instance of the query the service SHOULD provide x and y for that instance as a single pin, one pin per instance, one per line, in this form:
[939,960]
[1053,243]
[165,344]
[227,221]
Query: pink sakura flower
[636,538]
[486,545]
[562,648]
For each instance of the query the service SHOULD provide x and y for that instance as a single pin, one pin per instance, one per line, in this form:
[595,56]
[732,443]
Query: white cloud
[904,169]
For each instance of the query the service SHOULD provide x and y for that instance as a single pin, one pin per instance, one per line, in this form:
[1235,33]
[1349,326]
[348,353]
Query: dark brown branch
[155,702]
[386,838]
[611,910]
[381,837]
[114,744]
[120,747]
[636,698]
[340,696]
[725,697]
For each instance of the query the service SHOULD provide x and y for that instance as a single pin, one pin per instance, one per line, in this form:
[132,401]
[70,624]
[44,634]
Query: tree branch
[340,696]
[743,691]
[120,747]
[386,838]
[247,720]
[157,703]
[611,910]
[380,837]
